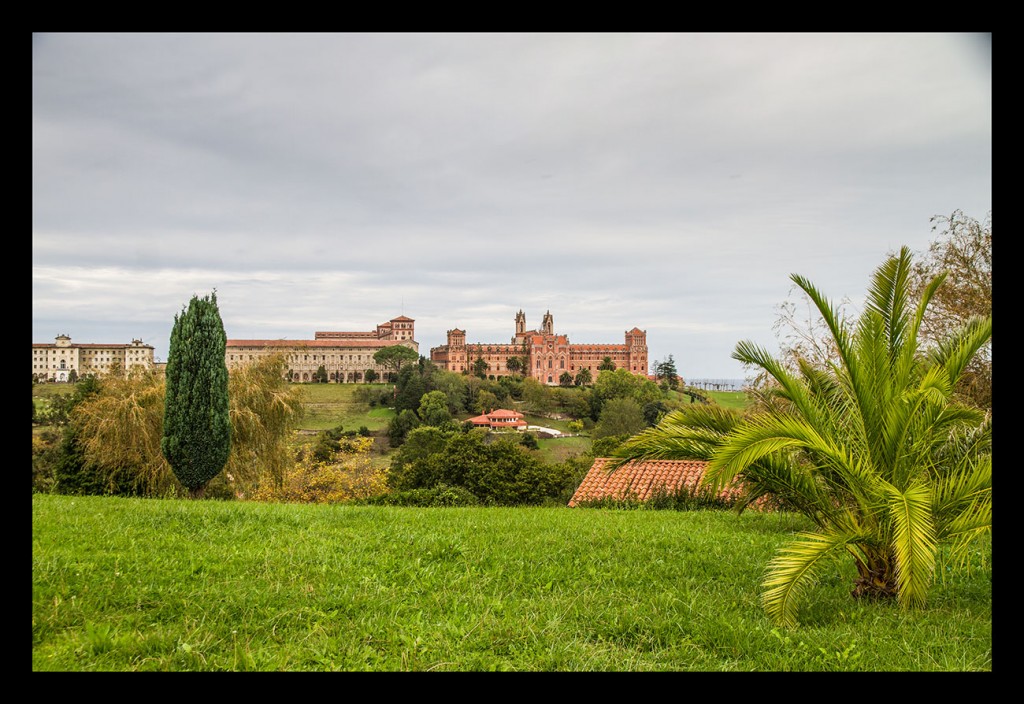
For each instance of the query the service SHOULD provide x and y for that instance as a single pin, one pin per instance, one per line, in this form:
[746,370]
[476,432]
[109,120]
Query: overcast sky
[671,182]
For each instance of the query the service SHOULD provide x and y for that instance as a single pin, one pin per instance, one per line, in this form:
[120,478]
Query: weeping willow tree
[119,430]
[264,409]
[874,447]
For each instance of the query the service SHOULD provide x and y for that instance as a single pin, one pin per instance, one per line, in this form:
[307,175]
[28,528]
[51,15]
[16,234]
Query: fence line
[717,384]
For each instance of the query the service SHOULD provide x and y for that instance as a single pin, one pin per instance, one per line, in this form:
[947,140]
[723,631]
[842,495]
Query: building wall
[346,356]
[547,354]
[55,361]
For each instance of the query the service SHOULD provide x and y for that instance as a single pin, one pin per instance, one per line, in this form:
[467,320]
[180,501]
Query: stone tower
[520,322]
[456,338]
[547,325]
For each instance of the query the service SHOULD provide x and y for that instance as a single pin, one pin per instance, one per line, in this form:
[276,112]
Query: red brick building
[540,354]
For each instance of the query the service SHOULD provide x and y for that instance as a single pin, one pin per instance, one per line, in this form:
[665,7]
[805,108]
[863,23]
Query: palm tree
[871,447]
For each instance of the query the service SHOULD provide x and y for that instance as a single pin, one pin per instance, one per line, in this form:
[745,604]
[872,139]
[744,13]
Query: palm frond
[791,573]
[914,541]
[792,482]
[790,387]
[909,357]
[962,500]
[955,352]
[763,436]
[830,314]
[694,433]
[888,296]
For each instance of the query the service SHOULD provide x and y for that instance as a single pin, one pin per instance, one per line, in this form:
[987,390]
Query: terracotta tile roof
[403,318]
[313,343]
[89,346]
[640,480]
[500,418]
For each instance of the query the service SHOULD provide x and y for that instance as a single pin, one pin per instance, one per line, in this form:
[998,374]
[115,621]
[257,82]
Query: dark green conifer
[197,422]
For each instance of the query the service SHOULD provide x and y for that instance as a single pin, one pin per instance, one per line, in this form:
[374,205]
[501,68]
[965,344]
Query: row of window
[306,358]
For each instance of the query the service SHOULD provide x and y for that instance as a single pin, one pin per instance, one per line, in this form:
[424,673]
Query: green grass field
[330,405]
[557,450]
[132,585]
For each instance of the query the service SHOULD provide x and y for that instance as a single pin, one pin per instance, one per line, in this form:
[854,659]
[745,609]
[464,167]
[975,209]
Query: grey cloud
[669,181]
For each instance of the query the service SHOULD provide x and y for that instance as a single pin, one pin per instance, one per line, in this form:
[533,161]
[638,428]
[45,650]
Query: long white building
[54,361]
[345,356]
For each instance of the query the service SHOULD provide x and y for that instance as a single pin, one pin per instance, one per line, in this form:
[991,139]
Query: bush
[45,452]
[347,476]
[440,495]
[499,471]
[682,499]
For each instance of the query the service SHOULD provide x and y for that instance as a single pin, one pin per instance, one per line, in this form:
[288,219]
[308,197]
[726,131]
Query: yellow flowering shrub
[349,475]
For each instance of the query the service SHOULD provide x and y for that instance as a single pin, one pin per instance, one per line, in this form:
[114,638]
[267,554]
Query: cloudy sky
[671,182]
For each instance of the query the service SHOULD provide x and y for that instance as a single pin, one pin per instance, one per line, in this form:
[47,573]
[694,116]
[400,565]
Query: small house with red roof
[500,418]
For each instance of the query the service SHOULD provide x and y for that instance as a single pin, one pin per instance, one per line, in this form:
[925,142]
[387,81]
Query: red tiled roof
[499,418]
[89,346]
[327,342]
[640,480]
[403,318]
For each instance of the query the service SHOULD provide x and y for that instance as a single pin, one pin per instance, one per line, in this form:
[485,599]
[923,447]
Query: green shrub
[440,495]
[681,499]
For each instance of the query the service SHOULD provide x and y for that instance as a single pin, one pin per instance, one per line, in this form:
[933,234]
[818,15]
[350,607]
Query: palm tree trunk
[877,578]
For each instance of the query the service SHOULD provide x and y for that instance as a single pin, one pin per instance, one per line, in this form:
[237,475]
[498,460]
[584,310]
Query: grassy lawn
[330,405]
[131,585]
[728,399]
[558,450]
[561,426]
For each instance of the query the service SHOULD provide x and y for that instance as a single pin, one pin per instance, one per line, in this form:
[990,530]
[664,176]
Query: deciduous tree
[433,408]
[395,356]
[962,249]
[620,416]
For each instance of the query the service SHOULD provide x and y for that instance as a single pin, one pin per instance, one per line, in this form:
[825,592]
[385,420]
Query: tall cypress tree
[197,421]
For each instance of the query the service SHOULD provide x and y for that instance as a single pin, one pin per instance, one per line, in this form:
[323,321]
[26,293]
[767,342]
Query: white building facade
[55,362]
